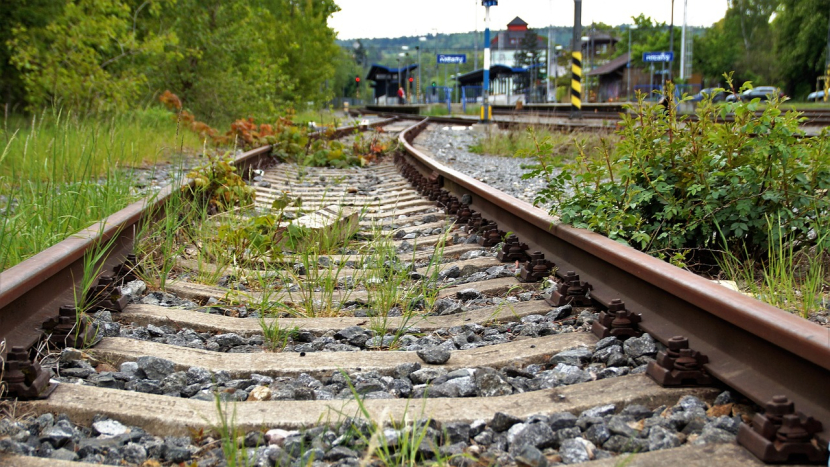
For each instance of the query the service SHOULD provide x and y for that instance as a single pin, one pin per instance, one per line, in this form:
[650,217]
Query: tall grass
[787,277]
[520,143]
[60,172]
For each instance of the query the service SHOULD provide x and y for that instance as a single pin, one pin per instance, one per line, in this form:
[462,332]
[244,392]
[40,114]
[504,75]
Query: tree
[800,28]
[741,42]
[528,55]
[81,59]
[30,14]
[717,51]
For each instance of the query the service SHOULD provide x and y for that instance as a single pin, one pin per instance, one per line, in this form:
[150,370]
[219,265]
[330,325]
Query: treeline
[225,58]
[768,42]
[780,42]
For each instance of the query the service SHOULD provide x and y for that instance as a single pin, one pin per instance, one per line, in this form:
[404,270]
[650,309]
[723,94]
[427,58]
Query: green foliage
[257,238]
[800,28]
[524,143]
[30,14]
[219,186]
[786,277]
[226,58]
[60,173]
[741,41]
[672,184]
[85,57]
[276,337]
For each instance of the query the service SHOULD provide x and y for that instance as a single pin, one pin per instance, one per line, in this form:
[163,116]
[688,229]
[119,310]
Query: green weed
[60,173]
[787,277]
[229,434]
[276,337]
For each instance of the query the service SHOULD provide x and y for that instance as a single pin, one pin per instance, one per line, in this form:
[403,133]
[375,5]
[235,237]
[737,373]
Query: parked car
[815,96]
[761,92]
[717,96]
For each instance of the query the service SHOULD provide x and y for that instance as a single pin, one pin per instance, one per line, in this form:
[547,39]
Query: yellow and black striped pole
[576,81]
[827,83]
[576,63]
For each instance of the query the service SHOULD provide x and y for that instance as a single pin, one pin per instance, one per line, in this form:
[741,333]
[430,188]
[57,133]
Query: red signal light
[411,79]
[357,79]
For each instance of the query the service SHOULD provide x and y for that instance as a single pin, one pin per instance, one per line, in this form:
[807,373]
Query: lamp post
[628,66]
[485,106]
[405,54]
[547,56]
[555,70]
[671,38]
[418,48]
[586,60]
[399,77]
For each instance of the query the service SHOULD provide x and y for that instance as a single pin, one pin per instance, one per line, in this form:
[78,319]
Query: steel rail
[32,291]
[757,349]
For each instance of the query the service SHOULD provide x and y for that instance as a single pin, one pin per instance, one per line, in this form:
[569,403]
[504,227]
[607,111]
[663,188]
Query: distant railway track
[419,223]
[815,117]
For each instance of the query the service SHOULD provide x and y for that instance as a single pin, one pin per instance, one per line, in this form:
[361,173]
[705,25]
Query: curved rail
[758,349]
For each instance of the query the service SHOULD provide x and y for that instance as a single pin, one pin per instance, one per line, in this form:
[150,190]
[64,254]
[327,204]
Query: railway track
[414,311]
[814,117]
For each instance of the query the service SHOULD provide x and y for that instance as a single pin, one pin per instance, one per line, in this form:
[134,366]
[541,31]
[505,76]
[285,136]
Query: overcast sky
[395,18]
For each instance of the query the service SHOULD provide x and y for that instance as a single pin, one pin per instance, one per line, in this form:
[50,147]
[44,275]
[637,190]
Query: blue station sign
[452,58]
[652,57]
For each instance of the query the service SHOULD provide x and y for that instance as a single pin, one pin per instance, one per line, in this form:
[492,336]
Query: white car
[816,96]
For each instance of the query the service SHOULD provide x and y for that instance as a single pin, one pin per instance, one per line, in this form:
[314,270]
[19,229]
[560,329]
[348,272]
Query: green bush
[675,185]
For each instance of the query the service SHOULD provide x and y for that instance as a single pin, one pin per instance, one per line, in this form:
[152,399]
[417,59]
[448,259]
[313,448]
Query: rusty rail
[759,350]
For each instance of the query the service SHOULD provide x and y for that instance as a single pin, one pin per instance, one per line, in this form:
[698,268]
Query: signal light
[411,79]
[433,84]
[357,79]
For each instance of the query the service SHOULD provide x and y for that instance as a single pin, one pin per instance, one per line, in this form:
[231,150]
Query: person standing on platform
[401,96]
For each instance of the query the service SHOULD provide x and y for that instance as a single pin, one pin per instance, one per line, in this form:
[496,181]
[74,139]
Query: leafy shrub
[217,184]
[675,185]
[295,143]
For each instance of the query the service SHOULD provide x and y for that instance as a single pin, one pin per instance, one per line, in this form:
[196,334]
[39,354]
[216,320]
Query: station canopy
[476,77]
[379,73]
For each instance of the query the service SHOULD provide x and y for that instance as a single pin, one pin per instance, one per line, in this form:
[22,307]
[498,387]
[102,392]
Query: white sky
[395,18]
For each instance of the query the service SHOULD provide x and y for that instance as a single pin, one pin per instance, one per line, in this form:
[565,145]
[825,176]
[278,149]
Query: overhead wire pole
[576,62]
[671,39]
[827,67]
[547,72]
[486,113]
[683,42]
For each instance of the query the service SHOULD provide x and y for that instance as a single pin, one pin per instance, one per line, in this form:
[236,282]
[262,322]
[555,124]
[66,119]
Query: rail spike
[126,271]
[24,376]
[107,295]
[617,321]
[513,250]
[491,236]
[464,214]
[570,291]
[782,435]
[70,330]
[537,268]
[679,365]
